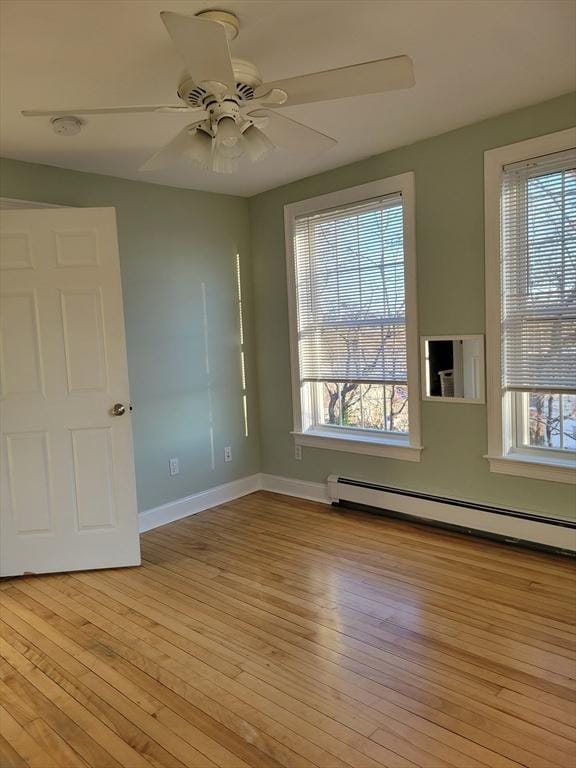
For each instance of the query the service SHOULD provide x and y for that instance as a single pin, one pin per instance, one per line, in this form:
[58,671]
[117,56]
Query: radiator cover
[511,525]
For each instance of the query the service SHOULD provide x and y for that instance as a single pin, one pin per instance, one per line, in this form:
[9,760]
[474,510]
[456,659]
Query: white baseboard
[220,494]
[197,502]
[530,530]
[303,489]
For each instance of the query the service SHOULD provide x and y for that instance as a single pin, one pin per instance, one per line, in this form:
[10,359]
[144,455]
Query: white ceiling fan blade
[357,80]
[203,46]
[287,133]
[172,152]
[106,110]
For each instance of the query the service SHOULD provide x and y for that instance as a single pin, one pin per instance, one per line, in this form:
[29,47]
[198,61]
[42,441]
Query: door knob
[118,409]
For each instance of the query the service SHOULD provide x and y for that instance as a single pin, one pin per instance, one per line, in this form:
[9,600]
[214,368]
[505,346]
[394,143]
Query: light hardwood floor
[276,632]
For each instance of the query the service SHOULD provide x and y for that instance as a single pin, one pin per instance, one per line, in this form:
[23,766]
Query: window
[537,296]
[353,324]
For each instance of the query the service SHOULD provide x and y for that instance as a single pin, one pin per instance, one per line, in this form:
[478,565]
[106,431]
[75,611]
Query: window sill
[371,446]
[556,470]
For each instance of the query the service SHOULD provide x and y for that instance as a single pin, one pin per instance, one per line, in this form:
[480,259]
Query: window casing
[530,208]
[352,300]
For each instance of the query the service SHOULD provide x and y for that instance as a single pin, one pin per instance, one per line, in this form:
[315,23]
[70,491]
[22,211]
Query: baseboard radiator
[558,534]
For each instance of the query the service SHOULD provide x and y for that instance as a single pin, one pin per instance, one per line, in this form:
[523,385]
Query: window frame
[504,455]
[305,431]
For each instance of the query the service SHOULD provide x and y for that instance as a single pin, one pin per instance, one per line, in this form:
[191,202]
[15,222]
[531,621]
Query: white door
[68,498]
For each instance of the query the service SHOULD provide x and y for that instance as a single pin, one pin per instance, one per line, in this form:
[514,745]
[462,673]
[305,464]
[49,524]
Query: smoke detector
[66,126]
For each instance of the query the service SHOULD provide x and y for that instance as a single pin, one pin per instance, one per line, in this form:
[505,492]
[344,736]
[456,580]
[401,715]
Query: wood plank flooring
[276,632]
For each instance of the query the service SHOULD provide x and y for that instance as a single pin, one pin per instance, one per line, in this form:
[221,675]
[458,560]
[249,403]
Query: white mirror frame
[481,399]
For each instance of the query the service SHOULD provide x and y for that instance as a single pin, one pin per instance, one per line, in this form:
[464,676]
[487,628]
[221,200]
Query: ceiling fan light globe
[231,152]
[227,132]
[199,148]
[257,144]
[222,162]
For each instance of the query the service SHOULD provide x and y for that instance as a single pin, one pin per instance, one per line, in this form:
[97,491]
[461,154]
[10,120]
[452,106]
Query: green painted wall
[450,253]
[174,241]
[171,242]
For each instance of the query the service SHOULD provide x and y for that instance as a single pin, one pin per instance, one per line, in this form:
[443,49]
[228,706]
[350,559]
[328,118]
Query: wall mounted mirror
[453,368]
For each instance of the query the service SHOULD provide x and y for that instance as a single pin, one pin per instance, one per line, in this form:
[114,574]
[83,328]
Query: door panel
[84,339]
[94,478]
[68,491]
[20,368]
[16,252]
[29,482]
[77,248]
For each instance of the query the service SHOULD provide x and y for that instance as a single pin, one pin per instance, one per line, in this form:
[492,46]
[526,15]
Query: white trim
[453,514]
[499,440]
[537,469]
[350,443]
[302,489]
[404,183]
[15,204]
[478,337]
[325,493]
[221,494]
[197,502]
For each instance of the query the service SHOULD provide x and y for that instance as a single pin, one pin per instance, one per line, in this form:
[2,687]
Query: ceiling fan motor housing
[224,108]
[228,20]
[247,79]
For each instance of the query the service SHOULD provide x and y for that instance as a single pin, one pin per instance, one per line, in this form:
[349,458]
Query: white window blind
[539,274]
[351,294]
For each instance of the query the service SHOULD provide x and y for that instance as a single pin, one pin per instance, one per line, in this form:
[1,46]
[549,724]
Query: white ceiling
[472,59]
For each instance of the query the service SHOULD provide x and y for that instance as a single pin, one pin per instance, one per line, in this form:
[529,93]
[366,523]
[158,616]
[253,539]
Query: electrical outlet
[298,452]
[228,453]
[174,466]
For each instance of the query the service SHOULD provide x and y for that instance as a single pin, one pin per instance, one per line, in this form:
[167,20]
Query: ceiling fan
[234,111]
